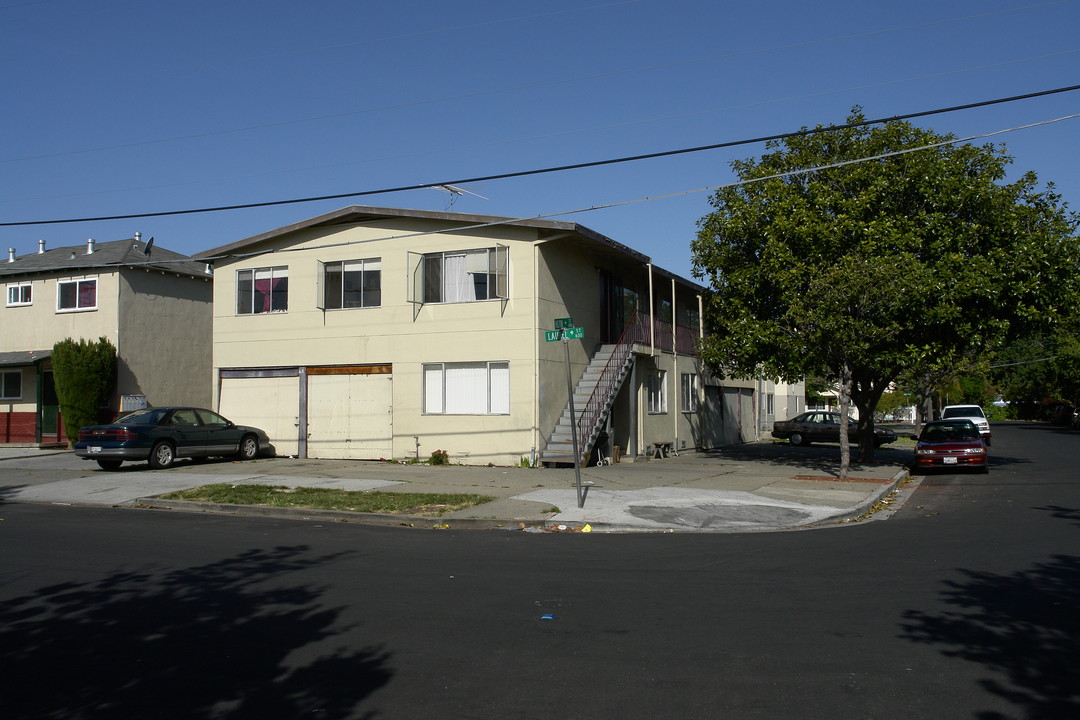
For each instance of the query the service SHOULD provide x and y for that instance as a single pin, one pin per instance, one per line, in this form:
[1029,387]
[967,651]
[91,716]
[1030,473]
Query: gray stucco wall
[164,337]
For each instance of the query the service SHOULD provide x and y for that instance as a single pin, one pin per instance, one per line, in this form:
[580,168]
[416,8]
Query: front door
[50,407]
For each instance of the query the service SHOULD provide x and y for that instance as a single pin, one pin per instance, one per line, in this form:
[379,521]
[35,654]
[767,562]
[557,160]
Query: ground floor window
[657,390]
[11,385]
[476,388]
[688,402]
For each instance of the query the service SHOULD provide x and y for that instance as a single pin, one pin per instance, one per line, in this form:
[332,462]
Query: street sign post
[565,331]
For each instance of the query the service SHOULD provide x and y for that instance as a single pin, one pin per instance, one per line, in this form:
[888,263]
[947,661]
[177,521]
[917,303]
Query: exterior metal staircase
[594,396]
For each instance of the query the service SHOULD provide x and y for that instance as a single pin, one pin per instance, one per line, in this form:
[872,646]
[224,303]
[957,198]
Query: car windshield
[947,432]
[150,416]
[966,411]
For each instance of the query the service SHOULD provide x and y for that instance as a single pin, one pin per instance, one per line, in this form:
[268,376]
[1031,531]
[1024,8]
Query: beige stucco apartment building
[151,303]
[384,333]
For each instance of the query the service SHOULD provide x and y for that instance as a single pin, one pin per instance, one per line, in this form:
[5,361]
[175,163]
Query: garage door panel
[350,416]
[270,403]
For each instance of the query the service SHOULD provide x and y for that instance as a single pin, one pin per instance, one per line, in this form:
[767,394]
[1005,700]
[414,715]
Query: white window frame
[365,267]
[60,284]
[4,395]
[656,386]
[466,388]
[274,273]
[689,396]
[491,262]
[20,294]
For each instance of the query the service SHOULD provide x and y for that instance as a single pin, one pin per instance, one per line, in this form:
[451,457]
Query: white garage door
[270,403]
[350,416]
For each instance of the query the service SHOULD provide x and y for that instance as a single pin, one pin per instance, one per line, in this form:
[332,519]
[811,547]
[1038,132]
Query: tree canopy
[880,263]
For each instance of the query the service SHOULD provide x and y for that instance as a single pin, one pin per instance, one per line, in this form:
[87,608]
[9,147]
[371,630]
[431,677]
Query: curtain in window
[88,294]
[433,388]
[457,286]
[466,389]
[500,388]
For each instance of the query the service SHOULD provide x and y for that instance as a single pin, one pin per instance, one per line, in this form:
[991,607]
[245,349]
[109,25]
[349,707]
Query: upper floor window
[262,290]
[20,294]
[352,284]
[461,276]
[76,295]
[11,385]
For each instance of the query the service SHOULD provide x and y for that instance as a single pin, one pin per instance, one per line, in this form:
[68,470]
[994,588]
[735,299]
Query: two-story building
[151,303]
[385,333]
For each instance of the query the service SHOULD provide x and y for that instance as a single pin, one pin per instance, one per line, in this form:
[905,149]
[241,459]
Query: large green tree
[890,263]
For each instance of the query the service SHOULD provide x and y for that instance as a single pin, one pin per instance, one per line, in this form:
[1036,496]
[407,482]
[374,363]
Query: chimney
[11,254]
[40,247]
[90,246]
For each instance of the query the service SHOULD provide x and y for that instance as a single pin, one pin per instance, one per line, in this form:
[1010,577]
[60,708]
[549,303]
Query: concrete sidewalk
[754,487]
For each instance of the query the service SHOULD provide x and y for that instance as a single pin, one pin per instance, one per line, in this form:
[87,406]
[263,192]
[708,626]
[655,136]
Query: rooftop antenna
[455,192]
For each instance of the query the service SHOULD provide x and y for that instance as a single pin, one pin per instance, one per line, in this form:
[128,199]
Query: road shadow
[232,639]
[1022,628]
[823,458]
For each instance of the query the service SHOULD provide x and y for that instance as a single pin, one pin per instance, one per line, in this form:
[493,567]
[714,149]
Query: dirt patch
[849,478]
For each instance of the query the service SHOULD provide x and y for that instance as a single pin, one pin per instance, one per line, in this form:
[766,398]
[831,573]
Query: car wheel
[109,464]
[797,439]
[249,448]
[162,456]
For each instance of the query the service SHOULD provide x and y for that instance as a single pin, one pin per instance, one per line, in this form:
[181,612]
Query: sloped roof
[361,213]
[27,357]
[114,254]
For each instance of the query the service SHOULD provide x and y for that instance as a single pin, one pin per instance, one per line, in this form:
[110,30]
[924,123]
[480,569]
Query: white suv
[974,413]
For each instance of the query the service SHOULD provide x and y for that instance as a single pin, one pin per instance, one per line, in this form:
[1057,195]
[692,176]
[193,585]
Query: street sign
[561,323]
[575,333]
[552,335]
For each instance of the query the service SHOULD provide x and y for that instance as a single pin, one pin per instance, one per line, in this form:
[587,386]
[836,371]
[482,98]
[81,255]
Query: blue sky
[118,107]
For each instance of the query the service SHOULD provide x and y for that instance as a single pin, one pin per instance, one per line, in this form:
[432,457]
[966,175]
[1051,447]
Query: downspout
[676,380]
[652,315]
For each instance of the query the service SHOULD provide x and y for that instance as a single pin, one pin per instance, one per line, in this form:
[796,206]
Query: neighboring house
[152,304]
[384,333]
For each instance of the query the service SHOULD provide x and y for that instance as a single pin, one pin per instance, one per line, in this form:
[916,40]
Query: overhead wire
[559,168]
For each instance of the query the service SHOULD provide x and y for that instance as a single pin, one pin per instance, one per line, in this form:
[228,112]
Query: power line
[558,168]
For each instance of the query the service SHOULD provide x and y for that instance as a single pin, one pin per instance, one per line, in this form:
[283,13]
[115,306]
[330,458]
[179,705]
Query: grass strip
[425,504]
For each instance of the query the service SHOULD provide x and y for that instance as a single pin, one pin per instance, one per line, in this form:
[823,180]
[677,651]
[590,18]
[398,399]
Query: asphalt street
[960,605]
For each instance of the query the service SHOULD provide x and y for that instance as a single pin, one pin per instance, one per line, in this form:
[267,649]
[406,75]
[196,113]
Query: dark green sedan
[161,435]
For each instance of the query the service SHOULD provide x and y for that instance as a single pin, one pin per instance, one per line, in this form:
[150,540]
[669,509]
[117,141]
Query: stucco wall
[165,337]
[39,326]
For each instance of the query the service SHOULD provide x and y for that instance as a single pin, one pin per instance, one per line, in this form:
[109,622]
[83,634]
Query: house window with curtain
[476,388]
[462,276]
[262,290]
[76,295]
[352,284]
[656,386]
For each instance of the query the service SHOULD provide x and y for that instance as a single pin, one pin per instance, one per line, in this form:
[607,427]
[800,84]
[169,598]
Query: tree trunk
[845,404]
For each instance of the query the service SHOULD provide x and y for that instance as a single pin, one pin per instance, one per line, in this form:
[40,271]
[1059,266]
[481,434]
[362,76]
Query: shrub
[85,374]
[439,457]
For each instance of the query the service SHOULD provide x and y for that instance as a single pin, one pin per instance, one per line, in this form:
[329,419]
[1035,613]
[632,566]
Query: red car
[951,445]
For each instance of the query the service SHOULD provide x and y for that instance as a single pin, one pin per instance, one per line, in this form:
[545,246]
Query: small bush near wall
[85,374]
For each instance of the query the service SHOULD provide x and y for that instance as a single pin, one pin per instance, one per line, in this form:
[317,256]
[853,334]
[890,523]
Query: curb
[343,516]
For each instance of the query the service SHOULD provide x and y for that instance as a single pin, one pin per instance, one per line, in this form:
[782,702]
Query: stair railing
[590,415]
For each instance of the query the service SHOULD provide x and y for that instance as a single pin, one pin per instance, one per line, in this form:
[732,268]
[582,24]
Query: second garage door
[350,414]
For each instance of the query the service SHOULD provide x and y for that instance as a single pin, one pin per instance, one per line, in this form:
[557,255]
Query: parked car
[163,434]
[822,426]
[951,444]
[974,413]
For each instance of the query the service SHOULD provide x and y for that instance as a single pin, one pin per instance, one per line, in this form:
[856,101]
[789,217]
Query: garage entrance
[350,412]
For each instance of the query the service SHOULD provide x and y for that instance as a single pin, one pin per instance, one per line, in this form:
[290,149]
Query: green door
[50,405]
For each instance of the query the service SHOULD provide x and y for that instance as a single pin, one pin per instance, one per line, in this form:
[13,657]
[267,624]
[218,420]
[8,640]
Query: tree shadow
[225,640]
[1021,627]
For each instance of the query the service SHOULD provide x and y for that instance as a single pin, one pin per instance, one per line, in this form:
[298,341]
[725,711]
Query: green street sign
[553,335]
[561,323]
[575,333]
